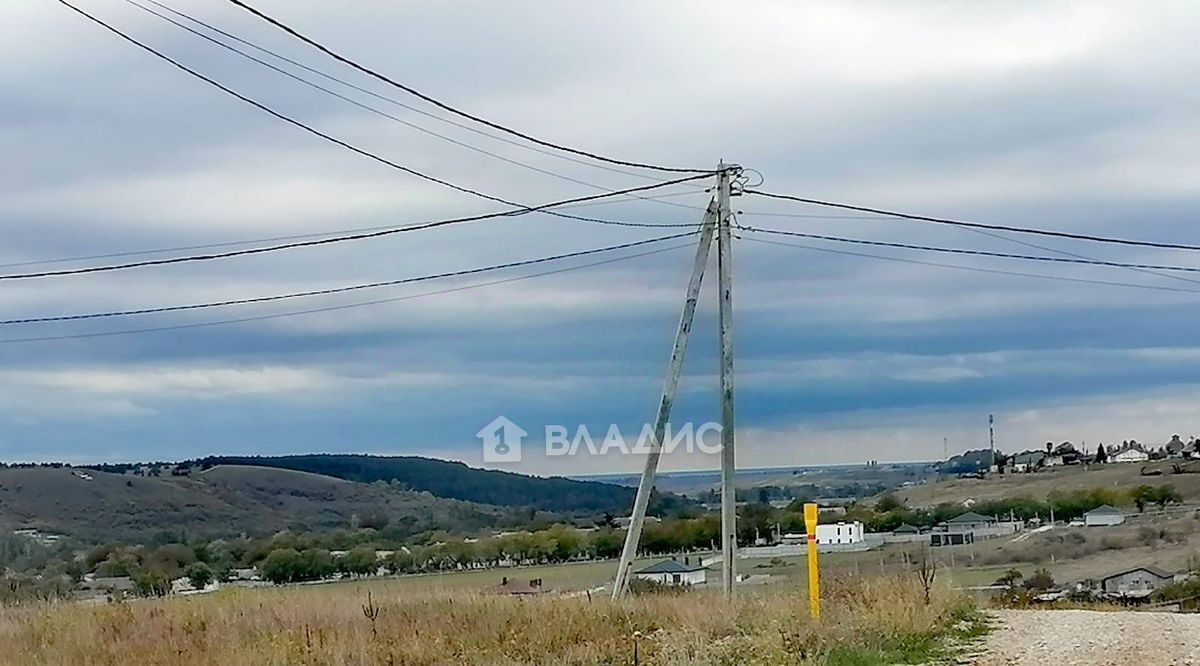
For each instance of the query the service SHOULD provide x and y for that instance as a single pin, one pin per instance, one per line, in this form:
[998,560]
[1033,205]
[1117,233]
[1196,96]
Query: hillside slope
[1040,484]
[453,480]
[223,500]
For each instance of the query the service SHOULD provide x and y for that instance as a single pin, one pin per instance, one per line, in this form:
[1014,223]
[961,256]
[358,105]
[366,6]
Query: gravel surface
[1090,638]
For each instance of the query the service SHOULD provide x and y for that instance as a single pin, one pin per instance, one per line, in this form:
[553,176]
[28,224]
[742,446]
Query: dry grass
[880,620]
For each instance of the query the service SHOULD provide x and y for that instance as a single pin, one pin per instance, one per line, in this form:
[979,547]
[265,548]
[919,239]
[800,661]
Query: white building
[673,573]
[1130,455]
[839,533]
[1103,516]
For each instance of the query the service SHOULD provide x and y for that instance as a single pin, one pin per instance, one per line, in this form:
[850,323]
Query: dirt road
[1090,638]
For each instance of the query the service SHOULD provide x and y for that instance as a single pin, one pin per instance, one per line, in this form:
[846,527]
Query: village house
[951,538]
[840,534]
[1027,461]
[1135,583]
[1103,516]
[1130,452]
[966,522]
[674,573]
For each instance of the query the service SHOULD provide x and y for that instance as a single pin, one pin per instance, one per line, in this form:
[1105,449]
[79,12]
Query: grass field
[865,621]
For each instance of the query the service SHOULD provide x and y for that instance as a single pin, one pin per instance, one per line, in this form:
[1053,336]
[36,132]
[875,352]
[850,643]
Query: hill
[223,500]
[1040,484]
[453,480]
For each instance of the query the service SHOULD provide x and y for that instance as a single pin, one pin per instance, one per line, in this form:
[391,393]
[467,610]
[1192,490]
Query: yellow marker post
[814,587]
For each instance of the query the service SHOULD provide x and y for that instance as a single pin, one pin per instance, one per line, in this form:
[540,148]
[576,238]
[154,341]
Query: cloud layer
[1074,115]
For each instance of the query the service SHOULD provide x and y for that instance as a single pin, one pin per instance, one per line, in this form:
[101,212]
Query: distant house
[99,586]
[518,588]
[907,529]
[951,538]
[1135,583]
[1063,454]
[1027,461]
[1133,454]
[967,522]
[1103,516]
[674,573]
[1176,447]
[840,533]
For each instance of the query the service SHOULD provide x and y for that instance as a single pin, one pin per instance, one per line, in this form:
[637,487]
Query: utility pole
[638,517]
[992,439]
[728,496]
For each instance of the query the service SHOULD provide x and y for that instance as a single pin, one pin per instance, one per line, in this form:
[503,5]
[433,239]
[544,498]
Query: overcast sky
[1078,116]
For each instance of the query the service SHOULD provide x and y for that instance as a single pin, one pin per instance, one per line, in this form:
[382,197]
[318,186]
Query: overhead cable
[333,308]
[978,225]
[980,253]
[446,107]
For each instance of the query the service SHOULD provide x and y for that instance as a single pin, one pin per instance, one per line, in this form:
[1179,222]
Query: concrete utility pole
[638,517]
[992,439]
[728,496]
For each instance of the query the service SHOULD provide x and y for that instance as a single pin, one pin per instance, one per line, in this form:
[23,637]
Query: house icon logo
[501,441]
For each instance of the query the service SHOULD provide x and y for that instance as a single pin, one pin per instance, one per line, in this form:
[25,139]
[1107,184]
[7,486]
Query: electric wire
[334,308]
[319,234]
[325,241]
[451,109]
[978,225]
[314,131]
[339,290]
[392,100]
[979,253]
[976,269]
[371,109]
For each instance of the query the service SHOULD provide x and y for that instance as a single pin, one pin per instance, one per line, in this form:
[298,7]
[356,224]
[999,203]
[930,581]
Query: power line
[392,100]
[370,109]
[312,130]
[446,107]
[1065,253]
[321,234]
[285,118]
[980,253]
[976,269]
[336,239]
[339,290]
[978,225]
[333,308]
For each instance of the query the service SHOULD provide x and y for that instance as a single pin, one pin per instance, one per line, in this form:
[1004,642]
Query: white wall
[839,533]
[687,578]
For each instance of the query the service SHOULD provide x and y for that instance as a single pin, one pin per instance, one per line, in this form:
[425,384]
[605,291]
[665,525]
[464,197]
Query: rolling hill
[453,480]
[1040,484]
[223,500]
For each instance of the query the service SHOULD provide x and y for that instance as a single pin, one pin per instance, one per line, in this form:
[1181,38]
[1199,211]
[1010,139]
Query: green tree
[888,502]
[1166,494]
[199,575]
[1041,580]
[281,566]
[151,583]
[1143,495]
[359,561]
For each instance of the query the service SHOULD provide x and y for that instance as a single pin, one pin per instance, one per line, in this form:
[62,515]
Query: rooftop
[670,566]
[1161,573]
[971,517]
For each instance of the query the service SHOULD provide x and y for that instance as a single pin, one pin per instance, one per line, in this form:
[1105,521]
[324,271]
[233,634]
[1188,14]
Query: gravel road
[1090,638]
